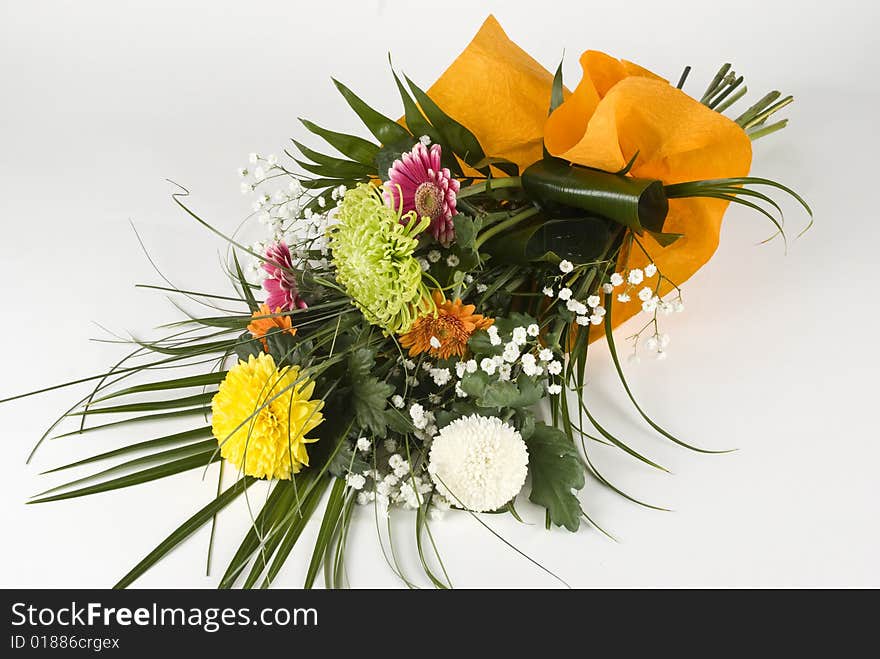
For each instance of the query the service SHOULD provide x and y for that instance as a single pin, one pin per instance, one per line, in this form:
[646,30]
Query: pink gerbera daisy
[280,283]
[417,182]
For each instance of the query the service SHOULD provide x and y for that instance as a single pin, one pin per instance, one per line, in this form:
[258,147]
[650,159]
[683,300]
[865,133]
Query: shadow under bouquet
[413,332]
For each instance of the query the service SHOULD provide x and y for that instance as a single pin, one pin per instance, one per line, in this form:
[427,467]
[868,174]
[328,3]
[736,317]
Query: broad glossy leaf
[635,203]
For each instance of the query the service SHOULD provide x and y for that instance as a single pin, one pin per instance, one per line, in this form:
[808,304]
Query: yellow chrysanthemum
[261,418]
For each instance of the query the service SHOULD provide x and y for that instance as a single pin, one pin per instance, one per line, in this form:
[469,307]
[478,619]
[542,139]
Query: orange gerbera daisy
[446,332]
[263,322]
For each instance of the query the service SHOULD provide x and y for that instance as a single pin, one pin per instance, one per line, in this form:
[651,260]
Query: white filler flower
[478,462]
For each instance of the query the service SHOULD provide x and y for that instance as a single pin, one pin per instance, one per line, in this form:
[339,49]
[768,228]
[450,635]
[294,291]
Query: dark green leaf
[262,524]
[474,384]
[332,514]
[295,526]
[341,169]
[347,459]
[153,473]
[384,129]
[244,285]
[498,394]
[205,380]
[186,401]
[356,148]
[530,391]
[453,135]
[148,418]
[557,91]
[665,239]
[556,470]
[466,229]
[176,438]
[389,153]
[635,203]
[247,346]
[369,394]
[369,397]
[186,529]
[415,120]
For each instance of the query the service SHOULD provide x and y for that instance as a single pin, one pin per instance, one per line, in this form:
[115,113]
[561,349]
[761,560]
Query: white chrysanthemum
[478,462]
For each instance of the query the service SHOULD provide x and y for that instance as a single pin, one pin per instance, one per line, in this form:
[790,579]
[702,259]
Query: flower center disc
[428,200]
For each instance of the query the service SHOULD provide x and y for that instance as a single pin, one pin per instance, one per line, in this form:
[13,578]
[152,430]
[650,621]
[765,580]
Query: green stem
[489,185]
[763,132]
[506,224]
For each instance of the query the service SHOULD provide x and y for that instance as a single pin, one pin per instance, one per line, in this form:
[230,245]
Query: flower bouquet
[413,331]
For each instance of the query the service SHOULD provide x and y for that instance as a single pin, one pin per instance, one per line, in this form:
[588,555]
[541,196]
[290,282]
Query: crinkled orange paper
[619,108]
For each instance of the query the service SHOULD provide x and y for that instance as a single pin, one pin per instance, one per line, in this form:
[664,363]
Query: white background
[776,354]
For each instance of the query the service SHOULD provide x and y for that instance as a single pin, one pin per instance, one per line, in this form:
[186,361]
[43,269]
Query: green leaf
[332,514]
[635,203]
[150,474]
[415,120]
[385,130]
[499,394]
[389,153]
[356,148]
[557,91]
[295,526]
[474,384]
[466,229]
[186,529]
[205,380]
[340,169]
[530,391]
[282,346]
[247,346]
[480,345]
[245,286]
[453,135]
[186,401]
[369,394]
[397,421]
[557,96]
[148,418]
[665,239]
[556,470]
[347,458]
[525,423]
[262,524]
[370,397]
[176,438]
[508,167]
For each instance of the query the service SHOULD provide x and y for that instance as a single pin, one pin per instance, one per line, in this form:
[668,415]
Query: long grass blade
[186,529]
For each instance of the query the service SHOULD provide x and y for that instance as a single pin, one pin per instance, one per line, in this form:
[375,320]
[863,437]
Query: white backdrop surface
[776,354]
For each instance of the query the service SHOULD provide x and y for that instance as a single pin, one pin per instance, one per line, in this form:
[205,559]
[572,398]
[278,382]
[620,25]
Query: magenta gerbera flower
[280,283]
[417,182]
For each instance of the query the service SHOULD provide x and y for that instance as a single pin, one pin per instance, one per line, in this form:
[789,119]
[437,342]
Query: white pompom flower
[478,463]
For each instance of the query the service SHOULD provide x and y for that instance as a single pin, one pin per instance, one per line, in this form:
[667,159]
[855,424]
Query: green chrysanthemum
[372,248]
